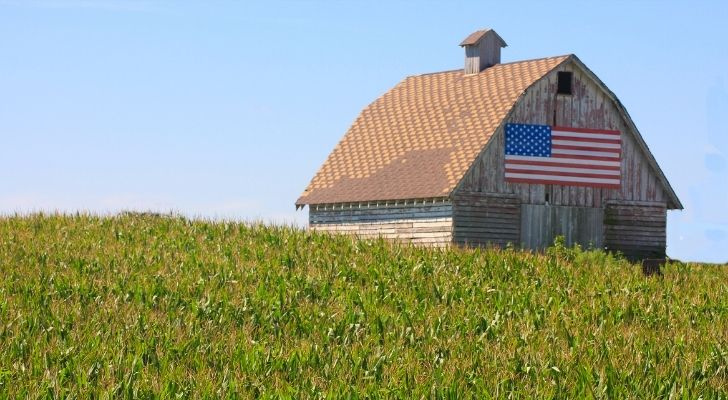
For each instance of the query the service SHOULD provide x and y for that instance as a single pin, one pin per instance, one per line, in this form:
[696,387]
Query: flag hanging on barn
[562,156]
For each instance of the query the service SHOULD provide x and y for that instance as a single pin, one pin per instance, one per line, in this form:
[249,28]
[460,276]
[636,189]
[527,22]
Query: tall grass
[145,307]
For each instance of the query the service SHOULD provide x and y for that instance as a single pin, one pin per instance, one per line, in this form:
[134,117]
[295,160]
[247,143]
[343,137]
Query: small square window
[564,84]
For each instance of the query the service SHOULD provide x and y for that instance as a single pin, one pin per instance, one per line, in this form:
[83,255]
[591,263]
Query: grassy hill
[144,306]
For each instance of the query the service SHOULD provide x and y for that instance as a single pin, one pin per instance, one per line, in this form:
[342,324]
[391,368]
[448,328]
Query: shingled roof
[419,139]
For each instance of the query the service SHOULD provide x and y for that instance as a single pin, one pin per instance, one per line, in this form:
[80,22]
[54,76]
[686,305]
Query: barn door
[541,224]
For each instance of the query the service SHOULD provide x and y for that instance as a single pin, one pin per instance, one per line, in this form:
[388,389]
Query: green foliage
[152,306]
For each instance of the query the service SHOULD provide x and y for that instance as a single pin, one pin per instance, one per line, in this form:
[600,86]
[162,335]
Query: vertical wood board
[541,224]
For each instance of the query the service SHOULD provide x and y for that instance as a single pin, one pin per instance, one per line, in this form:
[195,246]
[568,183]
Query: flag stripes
[563,155]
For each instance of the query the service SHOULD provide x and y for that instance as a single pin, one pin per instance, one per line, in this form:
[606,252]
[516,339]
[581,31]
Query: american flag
[563,156]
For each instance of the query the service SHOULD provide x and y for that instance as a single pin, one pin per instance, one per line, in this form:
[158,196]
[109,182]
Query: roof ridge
[538,59]
[508,63]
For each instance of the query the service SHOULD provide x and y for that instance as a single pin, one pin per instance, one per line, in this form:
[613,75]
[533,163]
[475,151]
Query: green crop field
[140,306]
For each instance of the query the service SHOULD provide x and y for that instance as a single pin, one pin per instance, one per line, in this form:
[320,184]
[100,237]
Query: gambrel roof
[420,138]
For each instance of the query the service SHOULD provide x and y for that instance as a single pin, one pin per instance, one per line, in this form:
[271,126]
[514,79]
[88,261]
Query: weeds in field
[144,306]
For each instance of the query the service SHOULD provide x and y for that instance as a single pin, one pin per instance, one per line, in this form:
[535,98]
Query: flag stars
[528,140]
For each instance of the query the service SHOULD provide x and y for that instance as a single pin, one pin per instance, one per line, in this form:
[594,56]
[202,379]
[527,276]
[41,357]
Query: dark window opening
[564,84]
[547,198]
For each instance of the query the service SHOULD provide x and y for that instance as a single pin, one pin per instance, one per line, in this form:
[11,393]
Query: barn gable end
[591,106]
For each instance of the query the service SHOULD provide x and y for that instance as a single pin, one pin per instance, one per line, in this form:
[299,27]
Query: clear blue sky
[227,109]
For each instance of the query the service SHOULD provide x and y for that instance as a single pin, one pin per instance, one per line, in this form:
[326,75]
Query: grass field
[143,307]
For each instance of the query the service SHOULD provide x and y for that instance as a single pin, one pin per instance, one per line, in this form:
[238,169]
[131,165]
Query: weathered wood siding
[541,224]
[481,220]
[588,107]
[486,53]
[636,229]
[416,223]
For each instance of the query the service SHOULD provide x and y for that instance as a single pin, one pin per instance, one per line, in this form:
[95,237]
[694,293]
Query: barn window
[564,84]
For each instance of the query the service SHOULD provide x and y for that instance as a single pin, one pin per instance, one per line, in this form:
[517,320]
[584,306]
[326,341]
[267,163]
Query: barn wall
[429,224]
[636,229]
[541,224]
[480,220]
[588,107]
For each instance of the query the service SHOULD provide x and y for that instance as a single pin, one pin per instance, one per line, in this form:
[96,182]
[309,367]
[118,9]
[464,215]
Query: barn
[496,153]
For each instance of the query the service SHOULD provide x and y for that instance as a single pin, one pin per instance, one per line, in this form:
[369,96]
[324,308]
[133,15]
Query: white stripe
[563,178]
[585,153]
[587,144]
[584,135]
[562,169]
[564,161]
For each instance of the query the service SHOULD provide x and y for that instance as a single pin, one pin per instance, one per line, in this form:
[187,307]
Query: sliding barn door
[541,224]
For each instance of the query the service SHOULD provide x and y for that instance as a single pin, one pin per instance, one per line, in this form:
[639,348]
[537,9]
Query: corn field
[144,306]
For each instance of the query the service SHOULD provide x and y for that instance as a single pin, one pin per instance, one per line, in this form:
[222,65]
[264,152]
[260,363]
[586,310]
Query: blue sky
[227,109]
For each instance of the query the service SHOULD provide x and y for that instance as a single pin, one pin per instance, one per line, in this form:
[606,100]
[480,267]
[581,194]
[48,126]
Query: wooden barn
[496,153]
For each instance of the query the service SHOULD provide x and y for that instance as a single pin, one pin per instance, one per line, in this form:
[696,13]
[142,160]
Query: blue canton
[528,140]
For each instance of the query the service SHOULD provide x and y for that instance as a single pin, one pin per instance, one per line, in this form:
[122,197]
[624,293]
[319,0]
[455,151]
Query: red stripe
[580,157]
[585,148]
[581,139]
[583,130]
[557,173]
[558,164]
[556,182]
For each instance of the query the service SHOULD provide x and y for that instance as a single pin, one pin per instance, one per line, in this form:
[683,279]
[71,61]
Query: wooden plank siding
[541,224]
[485,53]
[638,230]
[485,220]
[416,223]
[630,219]
[588,107]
